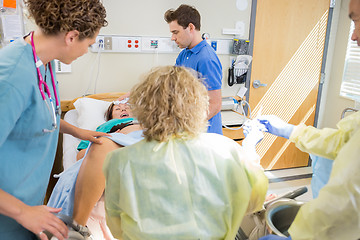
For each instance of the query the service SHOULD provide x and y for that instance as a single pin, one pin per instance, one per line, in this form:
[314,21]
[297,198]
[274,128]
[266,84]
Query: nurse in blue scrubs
[30,111]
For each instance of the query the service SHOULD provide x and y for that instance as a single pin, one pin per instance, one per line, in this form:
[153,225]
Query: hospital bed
[84,112]
[88,113]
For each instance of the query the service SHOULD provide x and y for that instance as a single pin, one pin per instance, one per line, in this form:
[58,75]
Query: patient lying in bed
[81,186]
[118,117]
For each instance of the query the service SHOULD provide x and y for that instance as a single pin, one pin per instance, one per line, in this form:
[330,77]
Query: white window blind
[350,86]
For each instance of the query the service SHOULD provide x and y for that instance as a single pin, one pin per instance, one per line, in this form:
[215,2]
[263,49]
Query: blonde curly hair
[170,102]
[57,16]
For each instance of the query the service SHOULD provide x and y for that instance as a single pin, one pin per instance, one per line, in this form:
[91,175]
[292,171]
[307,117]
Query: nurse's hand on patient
[276,126]
[122,97]
[89,135]
[40,218]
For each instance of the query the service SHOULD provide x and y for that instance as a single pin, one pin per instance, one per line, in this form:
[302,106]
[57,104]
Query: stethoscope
[54,110]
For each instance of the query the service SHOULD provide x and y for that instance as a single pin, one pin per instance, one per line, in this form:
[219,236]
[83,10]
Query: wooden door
[288,48]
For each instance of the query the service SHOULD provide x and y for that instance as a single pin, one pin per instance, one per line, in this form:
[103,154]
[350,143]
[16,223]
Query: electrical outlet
[133,44]
[108,43]
[98,45]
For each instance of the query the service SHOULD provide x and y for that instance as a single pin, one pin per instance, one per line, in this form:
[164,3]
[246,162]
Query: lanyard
[38,63]
[53,112]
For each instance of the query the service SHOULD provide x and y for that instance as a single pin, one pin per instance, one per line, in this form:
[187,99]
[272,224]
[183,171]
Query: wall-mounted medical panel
[221,46]
[159,44]
[138,44]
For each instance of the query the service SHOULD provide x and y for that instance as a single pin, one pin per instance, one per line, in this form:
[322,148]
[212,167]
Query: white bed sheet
[96,222]
[88,114]
[70,143]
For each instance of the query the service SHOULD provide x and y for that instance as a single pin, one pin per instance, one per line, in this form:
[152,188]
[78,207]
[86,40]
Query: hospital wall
[120,71]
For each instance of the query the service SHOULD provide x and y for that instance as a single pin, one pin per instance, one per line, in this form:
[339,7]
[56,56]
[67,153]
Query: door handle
[257,84]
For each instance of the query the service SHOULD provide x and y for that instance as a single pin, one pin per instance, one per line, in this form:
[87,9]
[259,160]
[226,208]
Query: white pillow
[91,112]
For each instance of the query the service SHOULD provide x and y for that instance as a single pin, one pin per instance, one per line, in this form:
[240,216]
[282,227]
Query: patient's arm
[90,183]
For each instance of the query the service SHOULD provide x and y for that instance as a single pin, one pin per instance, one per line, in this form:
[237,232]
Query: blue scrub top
[321,173]
[26,152]
[203,59]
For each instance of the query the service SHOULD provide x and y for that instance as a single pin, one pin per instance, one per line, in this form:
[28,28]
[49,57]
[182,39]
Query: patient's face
[121,111]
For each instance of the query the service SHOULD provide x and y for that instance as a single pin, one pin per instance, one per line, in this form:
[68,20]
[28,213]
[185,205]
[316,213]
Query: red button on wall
[129,46]
[129,41]
[136,46]
[136,41]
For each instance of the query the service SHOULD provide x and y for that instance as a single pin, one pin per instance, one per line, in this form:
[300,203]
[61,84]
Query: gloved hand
[253,125]
[253,138]
[274,237]
[247,127]
[276,126]
[253,133]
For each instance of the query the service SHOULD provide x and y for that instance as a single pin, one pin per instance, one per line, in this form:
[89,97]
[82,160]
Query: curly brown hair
[184,15]
[170,102]
[57,16]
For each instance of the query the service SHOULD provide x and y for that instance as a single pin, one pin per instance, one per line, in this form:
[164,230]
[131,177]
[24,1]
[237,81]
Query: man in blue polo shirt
[184,23]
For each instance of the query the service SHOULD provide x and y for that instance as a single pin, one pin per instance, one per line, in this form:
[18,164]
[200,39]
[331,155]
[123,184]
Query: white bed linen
[70,143]
[96,222]
[89,113]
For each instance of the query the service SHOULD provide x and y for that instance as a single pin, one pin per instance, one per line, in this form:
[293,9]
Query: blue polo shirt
[203,59]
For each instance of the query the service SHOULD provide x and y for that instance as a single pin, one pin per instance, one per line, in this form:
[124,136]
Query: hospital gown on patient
[63,193]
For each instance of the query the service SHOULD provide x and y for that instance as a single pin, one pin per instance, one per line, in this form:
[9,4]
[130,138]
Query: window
[350,86]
